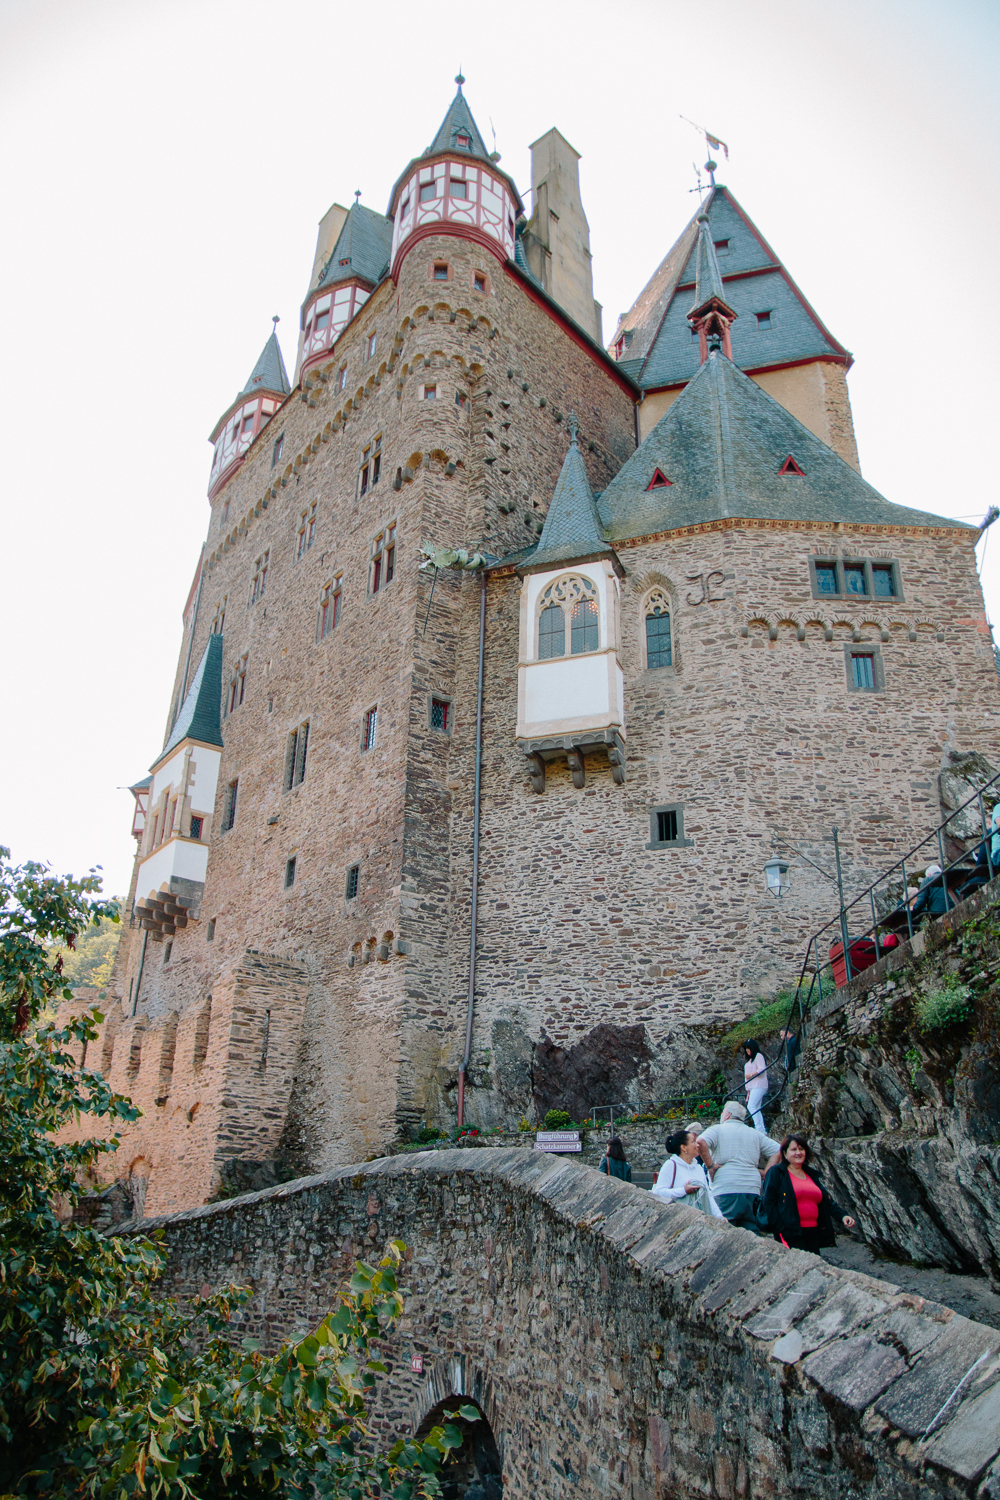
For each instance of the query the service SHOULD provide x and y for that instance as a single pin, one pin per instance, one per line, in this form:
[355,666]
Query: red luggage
[863,953]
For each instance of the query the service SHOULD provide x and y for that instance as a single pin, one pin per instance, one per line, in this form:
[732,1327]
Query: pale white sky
[165,164]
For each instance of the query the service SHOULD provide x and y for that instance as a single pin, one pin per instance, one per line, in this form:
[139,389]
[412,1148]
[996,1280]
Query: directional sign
[556,1135]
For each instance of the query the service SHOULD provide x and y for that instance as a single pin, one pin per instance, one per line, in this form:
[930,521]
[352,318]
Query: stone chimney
[557,238]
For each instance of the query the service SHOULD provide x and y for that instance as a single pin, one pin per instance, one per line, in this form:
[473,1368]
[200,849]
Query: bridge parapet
[618,1346]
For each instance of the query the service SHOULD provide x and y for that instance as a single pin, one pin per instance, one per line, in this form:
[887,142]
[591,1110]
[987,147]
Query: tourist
[739,1151]
[683,1177]
[755,1077]
[794,1205]
[932,898]
[614,1161]
[789,1049]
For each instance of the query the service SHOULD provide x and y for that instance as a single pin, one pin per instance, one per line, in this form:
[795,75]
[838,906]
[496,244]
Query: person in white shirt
[683,1177]
[755,1077]
[740,1152]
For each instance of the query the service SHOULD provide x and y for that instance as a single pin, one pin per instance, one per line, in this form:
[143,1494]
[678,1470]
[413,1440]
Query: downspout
[194,624]
[635,410]
[464,1067]
[138,977]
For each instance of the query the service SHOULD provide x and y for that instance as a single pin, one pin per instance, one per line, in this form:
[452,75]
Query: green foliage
[428,1133]
[557,1119]
[944,1007]
[107,1390]
[769,1017]
[91,960]
[915,1062]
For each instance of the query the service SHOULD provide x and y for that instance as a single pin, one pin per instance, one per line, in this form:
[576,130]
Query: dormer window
[463,140]
[764,319]
[347,259]
[721,247]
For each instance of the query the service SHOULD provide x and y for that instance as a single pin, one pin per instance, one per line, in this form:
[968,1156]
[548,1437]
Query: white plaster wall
[203,780]
[567,687]
[186,858]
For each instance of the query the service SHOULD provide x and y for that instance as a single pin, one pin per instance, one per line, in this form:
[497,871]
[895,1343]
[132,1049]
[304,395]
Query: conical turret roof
[200,715]
[269,373]
[364,243]
[722,446]
[572,529]
[459,122]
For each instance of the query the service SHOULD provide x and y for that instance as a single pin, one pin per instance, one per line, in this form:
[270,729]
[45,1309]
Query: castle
[507,658]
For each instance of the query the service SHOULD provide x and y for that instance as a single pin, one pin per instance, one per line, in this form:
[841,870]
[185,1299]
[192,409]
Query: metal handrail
[936,839]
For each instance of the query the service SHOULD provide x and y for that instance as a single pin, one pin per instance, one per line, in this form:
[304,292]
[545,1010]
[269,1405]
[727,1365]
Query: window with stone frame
[342,378]
[855,578]
[659,644]
[666,827]
[229,810]
[383,563]
[307,531]
[439,714]
[371,346]
[351,883]
[865,672]
[296,747]
[237,684]
[569,601]
[370,465]
[219,622]
[259,581]
[329,606]
[369,732]
[276,451]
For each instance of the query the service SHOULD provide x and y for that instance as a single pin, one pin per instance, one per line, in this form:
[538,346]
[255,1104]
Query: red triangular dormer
[790,467]
[659,480]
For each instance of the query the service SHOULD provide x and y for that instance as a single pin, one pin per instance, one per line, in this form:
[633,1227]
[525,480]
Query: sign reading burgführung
[558,1140]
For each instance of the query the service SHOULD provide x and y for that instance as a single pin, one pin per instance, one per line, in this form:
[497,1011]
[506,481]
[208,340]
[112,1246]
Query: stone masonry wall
[755,734]
[619,1347]
[908,1121]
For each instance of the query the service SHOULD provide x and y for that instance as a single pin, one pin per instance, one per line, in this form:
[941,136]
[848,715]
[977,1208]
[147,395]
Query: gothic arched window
[575,598]
[659,652]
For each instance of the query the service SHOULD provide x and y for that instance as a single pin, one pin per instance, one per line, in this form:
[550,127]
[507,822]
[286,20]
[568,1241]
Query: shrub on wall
[944,1007]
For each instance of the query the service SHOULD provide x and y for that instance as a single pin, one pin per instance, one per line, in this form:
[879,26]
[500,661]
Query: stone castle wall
[619,1347]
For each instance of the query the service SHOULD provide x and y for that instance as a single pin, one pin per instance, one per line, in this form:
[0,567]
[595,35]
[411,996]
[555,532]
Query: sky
[164,169]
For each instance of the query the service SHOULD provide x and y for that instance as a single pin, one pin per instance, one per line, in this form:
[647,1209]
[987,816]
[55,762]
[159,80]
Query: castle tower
[689,648]
[246,417]
[779,340]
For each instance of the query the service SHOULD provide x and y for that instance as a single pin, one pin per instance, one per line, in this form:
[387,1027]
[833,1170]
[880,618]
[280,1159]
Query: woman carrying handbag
[794,1205]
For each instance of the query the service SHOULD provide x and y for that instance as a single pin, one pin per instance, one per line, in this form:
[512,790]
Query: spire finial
[458,76]
[275,320]
[572,428]
[357,195]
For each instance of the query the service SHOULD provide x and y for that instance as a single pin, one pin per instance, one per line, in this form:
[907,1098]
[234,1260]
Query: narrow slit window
[289,872]
[370,729]
[295,756]
[259,581]
[342,378]
[329,606]
[351,887]
[372,345]
[229,816]
[551,632]
[583,629]
[279,444]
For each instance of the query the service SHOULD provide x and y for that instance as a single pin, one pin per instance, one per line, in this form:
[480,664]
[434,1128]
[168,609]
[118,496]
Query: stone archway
[474,1471]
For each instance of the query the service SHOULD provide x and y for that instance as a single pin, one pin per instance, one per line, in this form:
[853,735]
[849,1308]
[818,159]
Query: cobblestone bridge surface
[619,1346]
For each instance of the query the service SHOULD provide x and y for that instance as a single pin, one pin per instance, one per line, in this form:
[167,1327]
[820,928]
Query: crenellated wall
[619,1347]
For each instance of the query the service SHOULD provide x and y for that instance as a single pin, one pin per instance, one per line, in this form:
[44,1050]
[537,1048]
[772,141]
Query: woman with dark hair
[614,1162]
[683,1178]
[755,1077]
[794,1204]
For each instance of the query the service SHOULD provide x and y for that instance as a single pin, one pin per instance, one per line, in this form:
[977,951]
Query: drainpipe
[636,412]
[464,1067]
[194,623]
[138,977]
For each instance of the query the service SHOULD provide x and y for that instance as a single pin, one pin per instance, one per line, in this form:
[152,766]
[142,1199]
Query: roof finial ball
[458,78]
[276,320]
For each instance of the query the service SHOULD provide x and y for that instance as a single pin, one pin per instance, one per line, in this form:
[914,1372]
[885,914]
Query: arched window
[575,598]
[658,646]
[551,632]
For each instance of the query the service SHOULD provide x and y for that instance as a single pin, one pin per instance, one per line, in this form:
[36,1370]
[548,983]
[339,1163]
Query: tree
[107,1389]
[92,959]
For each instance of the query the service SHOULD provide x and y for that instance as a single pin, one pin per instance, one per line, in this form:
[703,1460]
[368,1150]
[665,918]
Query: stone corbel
[616,760]
[574,759]
[536,770]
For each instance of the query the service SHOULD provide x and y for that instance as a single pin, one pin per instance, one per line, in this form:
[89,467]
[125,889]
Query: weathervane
[714,144]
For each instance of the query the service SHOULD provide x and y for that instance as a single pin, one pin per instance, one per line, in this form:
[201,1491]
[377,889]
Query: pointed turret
[245,418]
[572,530]
[200,714]
[456,188]
[357,263]
[711,315]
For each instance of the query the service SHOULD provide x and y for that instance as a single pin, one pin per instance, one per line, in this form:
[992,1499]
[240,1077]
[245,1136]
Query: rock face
[618,1348]
[907,1118]
[967,775]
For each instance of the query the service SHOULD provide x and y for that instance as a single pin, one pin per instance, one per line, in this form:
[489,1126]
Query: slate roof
[364,241]
[200,715]
[572,530]
[458,121]
[662,352]
[721,445]
[269,373]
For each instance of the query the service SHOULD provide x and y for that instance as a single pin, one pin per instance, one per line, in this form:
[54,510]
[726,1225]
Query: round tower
[245,417]
[456,188]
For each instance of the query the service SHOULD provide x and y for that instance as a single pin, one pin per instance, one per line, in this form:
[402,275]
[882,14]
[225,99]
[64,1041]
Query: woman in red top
[794,1204]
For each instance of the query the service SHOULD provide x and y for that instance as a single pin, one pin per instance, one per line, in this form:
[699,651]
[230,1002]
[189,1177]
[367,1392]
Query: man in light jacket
[741,1154]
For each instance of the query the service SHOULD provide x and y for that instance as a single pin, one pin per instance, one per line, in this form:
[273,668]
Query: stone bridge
[616,1346]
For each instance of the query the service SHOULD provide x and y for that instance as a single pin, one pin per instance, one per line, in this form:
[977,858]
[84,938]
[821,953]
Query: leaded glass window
[551,632]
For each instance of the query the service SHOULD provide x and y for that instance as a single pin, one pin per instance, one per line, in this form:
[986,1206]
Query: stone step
[643,1179]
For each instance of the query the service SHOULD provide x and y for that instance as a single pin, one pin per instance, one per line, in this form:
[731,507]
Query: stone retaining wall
[619,1347]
